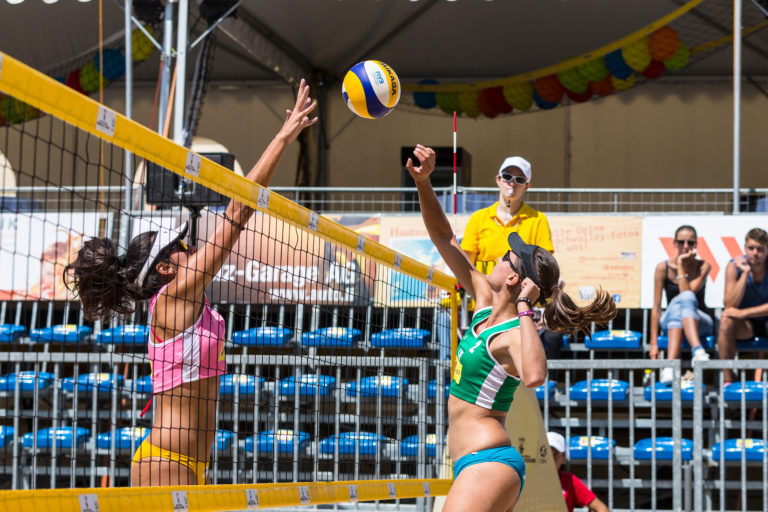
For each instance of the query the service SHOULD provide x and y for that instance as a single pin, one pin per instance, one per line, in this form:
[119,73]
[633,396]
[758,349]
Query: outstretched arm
[208,260]
[439,229]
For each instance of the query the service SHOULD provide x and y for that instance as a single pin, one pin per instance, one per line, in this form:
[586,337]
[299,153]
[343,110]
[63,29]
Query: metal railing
[373,200]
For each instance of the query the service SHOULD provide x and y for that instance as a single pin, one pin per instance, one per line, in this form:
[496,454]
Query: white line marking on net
[314,220]
[263,199]
[252,498]
[180,503]
[360,243]
[398,261]
[392,490]
[89,502]
[106,120]
[193,164]
[352,493]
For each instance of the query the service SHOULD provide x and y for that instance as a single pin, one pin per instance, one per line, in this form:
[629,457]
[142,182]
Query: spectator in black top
[683,279]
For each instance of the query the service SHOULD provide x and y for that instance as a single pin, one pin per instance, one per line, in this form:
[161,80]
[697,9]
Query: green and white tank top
[478,378]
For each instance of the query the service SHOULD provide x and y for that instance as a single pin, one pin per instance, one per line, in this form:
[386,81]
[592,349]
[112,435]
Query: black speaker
[442,176]
[165,188]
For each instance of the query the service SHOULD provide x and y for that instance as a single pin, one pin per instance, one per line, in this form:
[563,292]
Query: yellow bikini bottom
[146,450]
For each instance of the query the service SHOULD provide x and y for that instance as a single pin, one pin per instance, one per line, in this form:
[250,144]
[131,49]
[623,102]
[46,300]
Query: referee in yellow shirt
[485,237]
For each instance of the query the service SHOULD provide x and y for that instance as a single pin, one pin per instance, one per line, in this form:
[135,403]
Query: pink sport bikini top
[194,354]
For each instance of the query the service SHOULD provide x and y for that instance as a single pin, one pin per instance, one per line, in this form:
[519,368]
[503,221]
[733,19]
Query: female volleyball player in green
[186,346]
[501,350]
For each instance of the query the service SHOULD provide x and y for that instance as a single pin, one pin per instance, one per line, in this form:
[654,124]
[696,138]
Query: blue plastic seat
[262,337]
[143,384]
[753,449]
[391,387]
[332,337]
[664,391]
[124,334]
[665,446]
[409,447]
[309,385]
[369,443]
[103,381]
[753,391]
[432,389]
[402,337]
[224,440]
[63,437]
[285,441]
[599,446]
[708,342]
[600,389]
[246,384]
[26,381]
[753,344]
[69,333]
[546,388]
[123,437]
[11,332]
[6,436]
[616,340]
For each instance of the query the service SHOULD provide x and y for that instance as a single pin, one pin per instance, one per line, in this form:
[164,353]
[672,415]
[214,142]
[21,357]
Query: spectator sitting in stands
[684,281]
[575,492]
[746,297]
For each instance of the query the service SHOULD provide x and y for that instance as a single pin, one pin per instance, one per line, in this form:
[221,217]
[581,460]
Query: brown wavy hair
[561,313]
[105,282]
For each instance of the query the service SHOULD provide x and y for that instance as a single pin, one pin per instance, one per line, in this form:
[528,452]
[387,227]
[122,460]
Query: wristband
[683,276]
[529,313]
[526,300]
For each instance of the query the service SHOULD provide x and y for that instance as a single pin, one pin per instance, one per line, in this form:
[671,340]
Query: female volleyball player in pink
[501,350]
[186,346]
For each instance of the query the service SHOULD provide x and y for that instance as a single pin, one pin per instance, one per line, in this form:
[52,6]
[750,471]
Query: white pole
[181,71]
[165,80]
[454,173]
[736,103]
[127,198]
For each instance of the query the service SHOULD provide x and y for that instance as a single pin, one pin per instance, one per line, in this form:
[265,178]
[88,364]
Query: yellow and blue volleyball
[371,89]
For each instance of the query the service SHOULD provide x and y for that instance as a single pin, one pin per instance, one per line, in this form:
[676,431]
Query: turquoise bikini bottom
[506,455]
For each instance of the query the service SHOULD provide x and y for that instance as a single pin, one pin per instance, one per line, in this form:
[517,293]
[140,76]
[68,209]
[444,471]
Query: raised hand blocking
[298,118]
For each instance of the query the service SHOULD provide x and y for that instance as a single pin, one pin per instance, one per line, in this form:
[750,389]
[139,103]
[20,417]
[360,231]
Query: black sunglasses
[511,265]
[689,243]
[520,180]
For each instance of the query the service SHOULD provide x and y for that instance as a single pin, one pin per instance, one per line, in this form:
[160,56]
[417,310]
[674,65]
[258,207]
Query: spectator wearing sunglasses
[485,237]
[746,298]
[683,279]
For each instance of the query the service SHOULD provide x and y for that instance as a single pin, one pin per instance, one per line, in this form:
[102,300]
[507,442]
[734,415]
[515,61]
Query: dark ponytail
[561,313]
[105,283]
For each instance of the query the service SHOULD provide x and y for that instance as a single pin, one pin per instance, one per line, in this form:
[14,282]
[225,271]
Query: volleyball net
[336,347]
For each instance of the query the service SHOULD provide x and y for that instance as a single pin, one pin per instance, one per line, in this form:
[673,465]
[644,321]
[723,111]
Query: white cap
[519,162]
[163,239]
[556,441]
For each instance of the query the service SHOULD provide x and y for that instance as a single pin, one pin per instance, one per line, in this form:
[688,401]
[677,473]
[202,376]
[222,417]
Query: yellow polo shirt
[486,235]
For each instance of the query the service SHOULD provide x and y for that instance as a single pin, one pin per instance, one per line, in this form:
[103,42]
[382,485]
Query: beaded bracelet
[529,313]
[526,300]
[239,227]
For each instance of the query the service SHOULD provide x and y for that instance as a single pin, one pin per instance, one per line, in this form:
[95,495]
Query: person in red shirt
[575,492]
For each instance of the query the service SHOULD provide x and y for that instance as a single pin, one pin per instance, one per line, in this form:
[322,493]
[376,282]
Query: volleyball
[371,89]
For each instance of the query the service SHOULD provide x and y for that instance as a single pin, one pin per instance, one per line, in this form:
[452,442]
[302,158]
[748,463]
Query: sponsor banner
[720,239]
[599,251]
[274,262]
[408,235]
[37,247]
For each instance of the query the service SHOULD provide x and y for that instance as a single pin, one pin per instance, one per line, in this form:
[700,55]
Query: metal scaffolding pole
[736,104]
